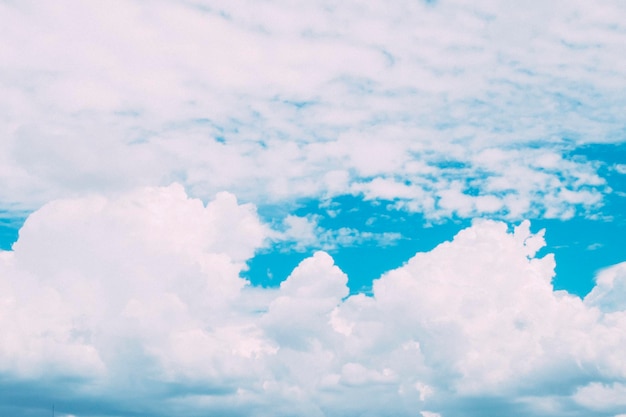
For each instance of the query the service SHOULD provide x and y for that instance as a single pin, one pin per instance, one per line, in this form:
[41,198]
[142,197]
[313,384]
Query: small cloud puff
[620,168]
[304,233]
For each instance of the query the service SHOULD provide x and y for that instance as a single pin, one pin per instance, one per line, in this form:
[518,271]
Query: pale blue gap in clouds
[583,244]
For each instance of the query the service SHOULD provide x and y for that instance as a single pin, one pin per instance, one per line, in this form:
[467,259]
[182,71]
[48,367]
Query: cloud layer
[124,295]
[441,105]
[133,304]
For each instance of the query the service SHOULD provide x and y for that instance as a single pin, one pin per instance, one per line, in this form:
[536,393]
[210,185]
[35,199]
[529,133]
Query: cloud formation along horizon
[450,108]
[134,304]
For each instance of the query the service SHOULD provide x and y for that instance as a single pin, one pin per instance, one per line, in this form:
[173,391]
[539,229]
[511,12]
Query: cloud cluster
[133,303]
[440,105]
[304,233]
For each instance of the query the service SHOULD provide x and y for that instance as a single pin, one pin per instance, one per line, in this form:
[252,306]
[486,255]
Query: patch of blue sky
[367,259]
[582,244]
[10,224]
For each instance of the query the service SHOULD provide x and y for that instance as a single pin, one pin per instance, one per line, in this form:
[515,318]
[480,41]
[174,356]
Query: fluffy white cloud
[122,297]
[86,272]
[609,294]
[277,100]
[605,397]
[139,296]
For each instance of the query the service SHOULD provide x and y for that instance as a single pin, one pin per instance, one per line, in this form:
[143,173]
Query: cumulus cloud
[609,293]
[93,263]
[139,297]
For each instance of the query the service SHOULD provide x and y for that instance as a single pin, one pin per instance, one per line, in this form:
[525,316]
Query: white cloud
[452,108]
[302,230]
[138,264]
[609,293]
[143,289]
[606,397]
[276,101]
[304,233]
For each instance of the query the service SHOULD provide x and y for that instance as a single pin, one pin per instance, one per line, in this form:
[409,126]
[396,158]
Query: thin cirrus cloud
[142,139]
[134,303]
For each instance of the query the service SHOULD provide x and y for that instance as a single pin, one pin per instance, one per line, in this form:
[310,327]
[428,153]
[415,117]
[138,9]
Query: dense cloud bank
[451,107]
[133,303]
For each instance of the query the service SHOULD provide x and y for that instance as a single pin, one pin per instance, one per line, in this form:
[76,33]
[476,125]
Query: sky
[322,209]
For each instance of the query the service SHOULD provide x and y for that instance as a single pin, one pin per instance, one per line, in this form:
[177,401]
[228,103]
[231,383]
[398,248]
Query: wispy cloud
[304,233]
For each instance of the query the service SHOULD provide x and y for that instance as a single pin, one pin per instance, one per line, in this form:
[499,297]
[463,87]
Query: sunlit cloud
[141,293]
[275,101]
[151,154]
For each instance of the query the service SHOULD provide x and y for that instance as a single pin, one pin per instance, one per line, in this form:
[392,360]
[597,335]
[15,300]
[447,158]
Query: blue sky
[307,208]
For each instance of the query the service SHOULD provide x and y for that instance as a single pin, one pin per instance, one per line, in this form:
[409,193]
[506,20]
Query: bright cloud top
[134,303]
[450,108]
